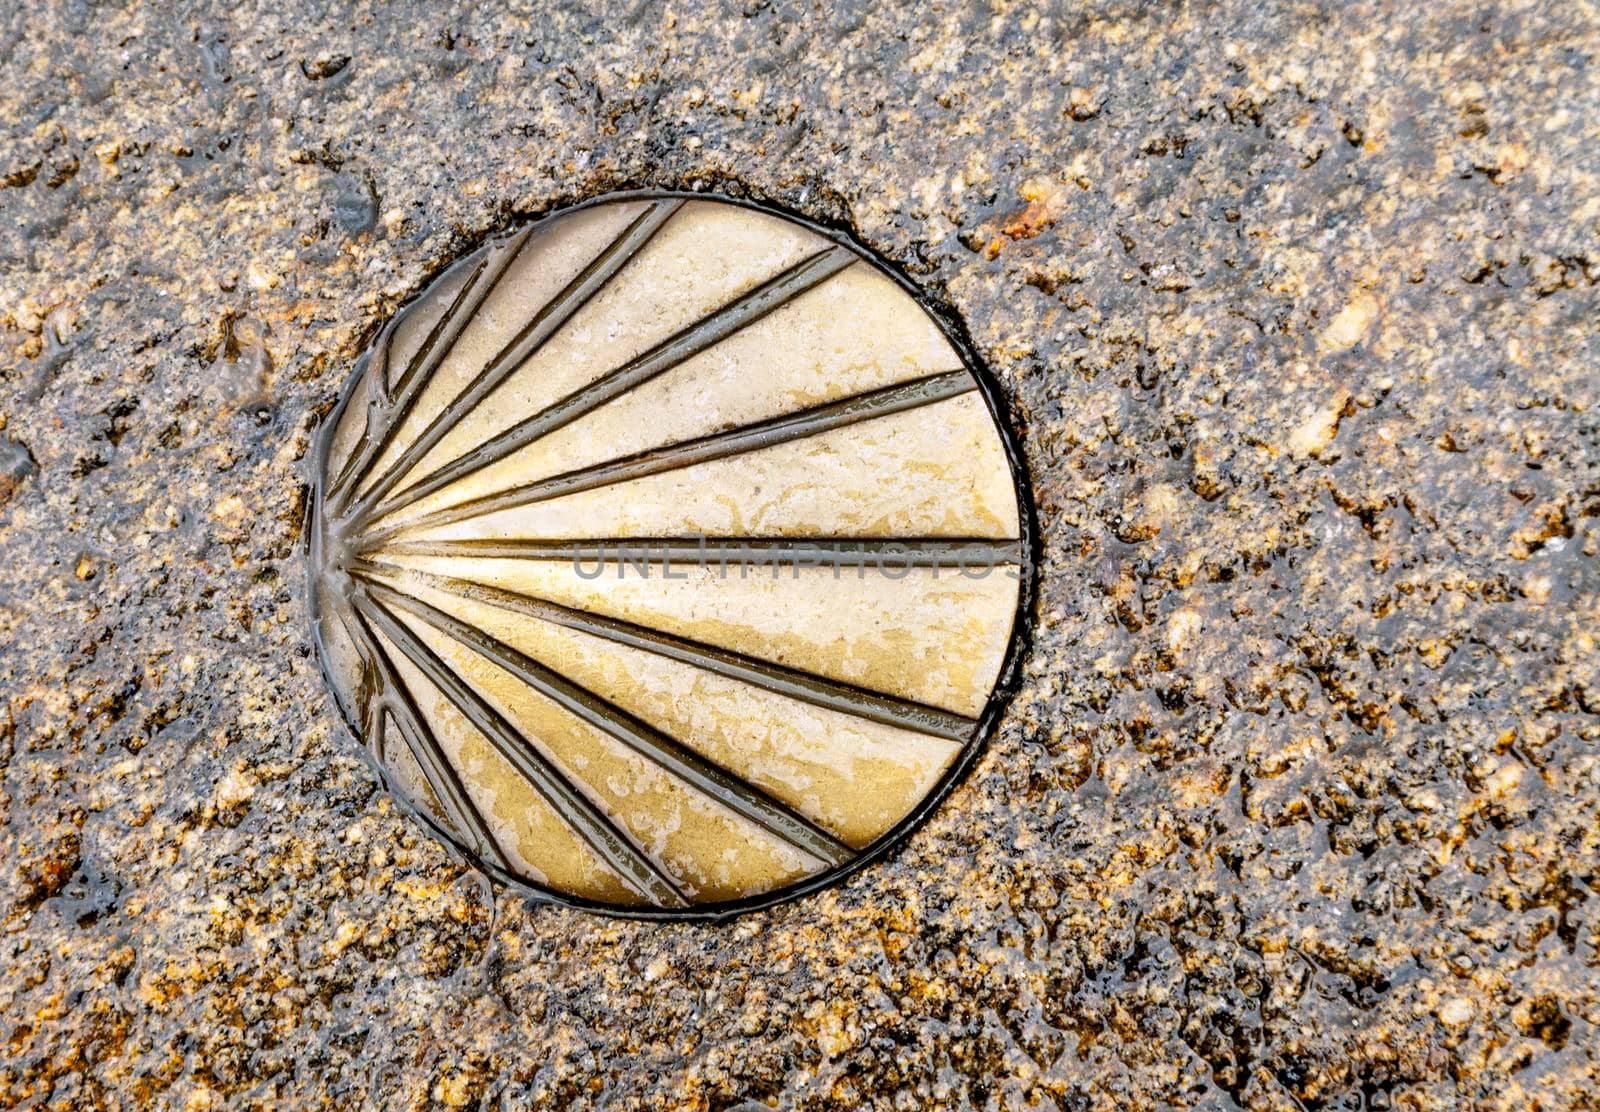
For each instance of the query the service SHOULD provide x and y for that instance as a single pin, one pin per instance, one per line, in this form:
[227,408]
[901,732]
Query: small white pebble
[1424,800]
[1504,780]
[1182,628]
[1456,1012]
[1317,431]
[1349,325]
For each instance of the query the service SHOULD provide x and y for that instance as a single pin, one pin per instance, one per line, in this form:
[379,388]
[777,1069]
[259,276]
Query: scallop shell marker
[666,556]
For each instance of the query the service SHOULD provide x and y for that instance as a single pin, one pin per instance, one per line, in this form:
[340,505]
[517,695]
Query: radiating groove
[441,338]
[544,324]
[372,398]
[725,552]
[597,831]
[686,344]
[819,691]
[457,315]
[382,405]
[704,776]
[750,438]
[436,767]
[372,708]
[378,383]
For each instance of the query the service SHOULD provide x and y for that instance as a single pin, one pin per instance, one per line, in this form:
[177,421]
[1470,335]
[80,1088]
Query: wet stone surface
[1297,803]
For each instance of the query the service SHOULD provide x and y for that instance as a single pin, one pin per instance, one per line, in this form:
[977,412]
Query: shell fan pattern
[667,556]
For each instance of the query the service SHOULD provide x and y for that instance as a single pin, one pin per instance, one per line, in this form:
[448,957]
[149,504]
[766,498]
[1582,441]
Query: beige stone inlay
[846,337]
[931,635]
[702,259]
[406,777]
[411,328]
[339,653]
[347,430]
[710,733]
[553,256]
[854,777]
[715,854]
[937,471]
[539,845]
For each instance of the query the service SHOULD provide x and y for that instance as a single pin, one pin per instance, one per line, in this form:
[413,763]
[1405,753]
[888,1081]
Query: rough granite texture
[1298,804]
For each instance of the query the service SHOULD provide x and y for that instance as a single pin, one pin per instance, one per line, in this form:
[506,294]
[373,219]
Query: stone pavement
[1295,307]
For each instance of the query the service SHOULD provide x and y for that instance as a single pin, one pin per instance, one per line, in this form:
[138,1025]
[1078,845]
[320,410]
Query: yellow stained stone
[667,556]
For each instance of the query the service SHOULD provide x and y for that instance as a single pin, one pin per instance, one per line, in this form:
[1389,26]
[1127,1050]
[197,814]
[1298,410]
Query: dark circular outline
[1000,696]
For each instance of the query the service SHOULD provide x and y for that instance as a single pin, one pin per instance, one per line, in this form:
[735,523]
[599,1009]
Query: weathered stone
[1247,866]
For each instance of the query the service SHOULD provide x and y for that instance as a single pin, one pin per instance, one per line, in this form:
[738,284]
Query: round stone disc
[667,555]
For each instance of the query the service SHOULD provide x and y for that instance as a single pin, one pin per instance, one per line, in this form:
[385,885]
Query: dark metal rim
[1022,626]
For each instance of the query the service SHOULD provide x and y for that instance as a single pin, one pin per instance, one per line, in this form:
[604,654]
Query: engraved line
[378,385]
[372,396]
[676,349]
[819,691]
[844,552]
[436,767]
[447,788]
[370,709]
[459,313]
[441,340]
[544,324]
[750,438]
[380,396]
[612,845]
[728,789]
